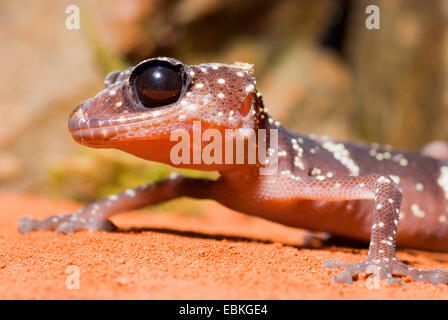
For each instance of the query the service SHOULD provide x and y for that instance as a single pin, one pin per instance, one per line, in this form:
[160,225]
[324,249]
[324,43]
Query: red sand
[221,255]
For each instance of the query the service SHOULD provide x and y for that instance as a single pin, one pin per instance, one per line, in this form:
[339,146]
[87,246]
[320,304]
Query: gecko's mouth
[98,132]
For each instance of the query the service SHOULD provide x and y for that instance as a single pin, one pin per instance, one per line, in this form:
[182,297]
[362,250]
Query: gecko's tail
[436,149]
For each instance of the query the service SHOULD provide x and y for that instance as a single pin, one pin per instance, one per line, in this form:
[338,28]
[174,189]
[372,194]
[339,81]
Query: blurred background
[318,67]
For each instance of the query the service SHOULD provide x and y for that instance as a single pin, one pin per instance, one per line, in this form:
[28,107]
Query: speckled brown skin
[354,191]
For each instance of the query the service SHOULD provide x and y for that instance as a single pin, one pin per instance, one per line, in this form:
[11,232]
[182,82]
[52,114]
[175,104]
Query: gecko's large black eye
[157,83]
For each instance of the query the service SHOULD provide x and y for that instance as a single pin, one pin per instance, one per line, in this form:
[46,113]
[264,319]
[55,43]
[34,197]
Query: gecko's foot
[65,224]
[74,226]
[385,269]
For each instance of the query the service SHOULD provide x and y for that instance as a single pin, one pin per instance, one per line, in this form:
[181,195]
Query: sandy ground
[221,255]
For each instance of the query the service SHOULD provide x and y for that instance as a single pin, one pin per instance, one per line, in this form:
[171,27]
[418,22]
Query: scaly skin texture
[363,192]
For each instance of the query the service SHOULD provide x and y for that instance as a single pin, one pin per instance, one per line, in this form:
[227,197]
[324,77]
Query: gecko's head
[142,106]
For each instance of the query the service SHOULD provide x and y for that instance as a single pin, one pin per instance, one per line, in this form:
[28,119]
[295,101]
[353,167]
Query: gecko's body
[349,190]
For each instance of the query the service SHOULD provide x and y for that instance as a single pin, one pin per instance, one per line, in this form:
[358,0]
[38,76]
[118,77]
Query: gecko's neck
[277,138]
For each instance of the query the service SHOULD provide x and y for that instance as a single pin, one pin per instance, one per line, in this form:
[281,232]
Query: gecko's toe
[350,269]
[26,225]
[333,264]
[435,276]
[391,280]
[385,269]
[344,277]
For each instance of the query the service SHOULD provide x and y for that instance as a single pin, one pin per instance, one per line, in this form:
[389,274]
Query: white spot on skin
[199,85]
[443,180]
[341,154]
[298,163]
[396,179]
[419,213]
[442,219]
[383,180]
[113,197]
[192,73]
[239,74]
[130,193]
[173,175]
[221,81]
[119,104]
[220,95]
[403,162]
[419,187]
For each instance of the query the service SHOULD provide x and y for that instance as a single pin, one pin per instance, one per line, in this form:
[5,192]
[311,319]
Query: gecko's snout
[77,119]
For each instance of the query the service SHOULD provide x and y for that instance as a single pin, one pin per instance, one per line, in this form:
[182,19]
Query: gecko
[367,192]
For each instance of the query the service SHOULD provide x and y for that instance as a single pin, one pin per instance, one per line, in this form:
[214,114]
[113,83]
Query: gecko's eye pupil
[158,84]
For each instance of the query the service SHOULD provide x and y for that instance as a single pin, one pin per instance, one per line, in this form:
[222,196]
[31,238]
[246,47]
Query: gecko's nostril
[77,112]
[76,118]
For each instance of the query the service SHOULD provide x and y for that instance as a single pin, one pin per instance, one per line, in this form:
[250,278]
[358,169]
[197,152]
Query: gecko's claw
[385,269]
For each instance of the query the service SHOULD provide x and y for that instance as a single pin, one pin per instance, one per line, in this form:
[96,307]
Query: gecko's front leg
[94,216]
[381,259]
